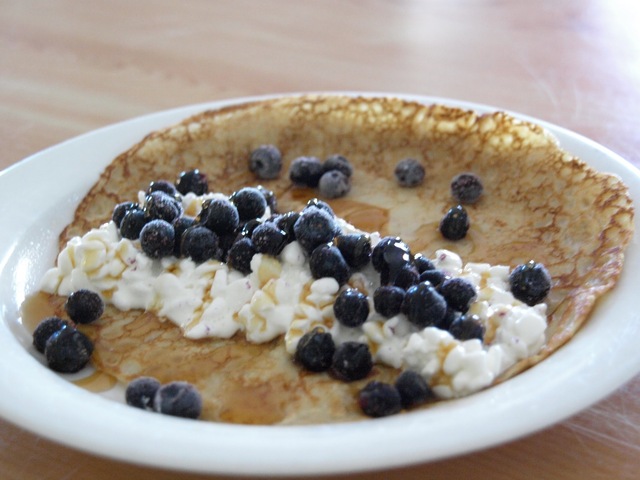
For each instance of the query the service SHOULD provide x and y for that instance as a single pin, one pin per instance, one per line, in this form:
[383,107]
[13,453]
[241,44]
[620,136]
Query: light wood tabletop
[68,67]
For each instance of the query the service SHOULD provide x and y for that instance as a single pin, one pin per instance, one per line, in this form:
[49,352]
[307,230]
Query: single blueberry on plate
[265,162]
[466,188]
[378,399]
[141,391]
[351,308]
[192,181]
[467,327]
[413,388]
[423,305]
[179,399]
[84,306]
[45,329]
[339,163]
[334,184]
[250,203]
[199,244]
[530,283]
[327,261]
[409,172]
[240,255]
[219,215]
[315,350]
[351,361]
[387,300]
[458,292]
[157,239]
[132,223]
[306,171]
[160,205]
[455,223]
[68,350]
[269,239]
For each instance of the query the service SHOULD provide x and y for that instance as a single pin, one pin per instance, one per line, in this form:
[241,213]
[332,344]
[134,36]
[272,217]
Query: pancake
[540,203]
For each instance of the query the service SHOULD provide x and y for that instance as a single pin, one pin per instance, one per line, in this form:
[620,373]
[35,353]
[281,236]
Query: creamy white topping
[280,298]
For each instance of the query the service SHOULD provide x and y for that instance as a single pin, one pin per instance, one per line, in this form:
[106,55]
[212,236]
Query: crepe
[540,203]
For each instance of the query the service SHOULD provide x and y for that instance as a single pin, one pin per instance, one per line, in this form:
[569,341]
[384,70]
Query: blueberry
[449,317]
[387,300]
[467,327]
[334,184]
[84,306]
[435,277]
[422,263]
[192,181]
[180,224]
[413,389]
[132,223]
[179,399]
[320,204]
[121,209]
[68,351]
[246,230]
[423,305]
[351,361]
[351,308]
[339,163]
[199,244]
[327,261]
[409,172]
[378,399]
[355,248]
[392,260]
[315,350]
[314,227]
[404,276]
[268,239]
[466,188]
[240,255]
[455,223]
[45,329]
[162,186]
[458,292]
[530,282]
[270,197]
[285,222]
[159,205]
[265,161]
[306,171]
[250,203]
[157,239]
[400,250]
[141,391]
[219,215]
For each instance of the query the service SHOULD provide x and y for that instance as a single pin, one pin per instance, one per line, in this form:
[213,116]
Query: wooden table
[69,67]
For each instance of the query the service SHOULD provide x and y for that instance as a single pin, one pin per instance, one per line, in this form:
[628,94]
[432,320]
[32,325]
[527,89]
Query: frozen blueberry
[246,230]
[355,248]
[141,391]
[179,399]
[132,223]
[315,350]
[121,209]
[180,224]
[68,350]
[192,181]
[409,172]
[159,205]
[306,171]
[378,399]
[458,292]
[219,215]
[530,283]
[327,261]
[320,204]
[422,263]
[351,308]
[199,244]
[265,162]
[285,222]
[157,239]
[339,163]
[84,306]
[268,238]
[434,277]
[467,327]
[423,305]
[466,188]
[162,186]
[250,203]
[455,223]
[334,184]
[413,389]
[387,300]
[351,361]
[45,329]
[270,197]
[240,255]
[314,227]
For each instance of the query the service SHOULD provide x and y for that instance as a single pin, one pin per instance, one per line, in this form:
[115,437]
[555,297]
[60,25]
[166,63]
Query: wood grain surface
[69,67]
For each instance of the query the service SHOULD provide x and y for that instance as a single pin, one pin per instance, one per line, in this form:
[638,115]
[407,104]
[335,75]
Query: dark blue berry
[327,261]
[199,244]
[68,350]
[467,327]
[162,186]
[315,350]
[180,224]
[455,223]
[270,197]
[240,255]
[219,215]
[339,163]
[458,292]
[314,227]
[355,248]
[192,181]
[422,263]
[306,171]
[141,392]
[322,205]
[268,239]
[378,399]
[466,188]
[399,253]
[530,283]
[179,399]
[435,277]
[409,172]
[157,239]
[285,222]
[387,300]
[413,389]
[45,329]
[84,306]
[423,305]
[334,184]
[121,209]
[351,308]
[404,277]
[265,161]
[250,203]
[159,205]
[449,317]
[351,361]
[132,223]
[246,230]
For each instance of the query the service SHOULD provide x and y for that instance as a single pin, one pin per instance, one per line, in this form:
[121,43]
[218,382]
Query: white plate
[43,191]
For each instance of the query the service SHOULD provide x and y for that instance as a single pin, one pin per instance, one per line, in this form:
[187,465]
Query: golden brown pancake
[539,203]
